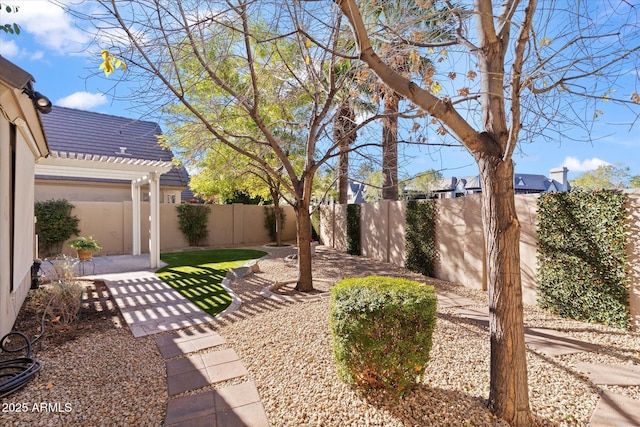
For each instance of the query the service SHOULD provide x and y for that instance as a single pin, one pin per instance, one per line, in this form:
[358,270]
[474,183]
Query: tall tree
[249,88]
[605,177]
[529,59]
[406,61]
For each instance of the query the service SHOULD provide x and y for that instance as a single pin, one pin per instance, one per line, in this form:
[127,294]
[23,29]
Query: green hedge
[55,224]
[270,221]
[315,225]
[193,221]
[420,243]
[382,329]
[581,256]
[353,230]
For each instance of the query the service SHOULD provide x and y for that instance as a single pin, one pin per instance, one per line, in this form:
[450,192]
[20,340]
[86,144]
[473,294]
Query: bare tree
[247,73]
[530,58]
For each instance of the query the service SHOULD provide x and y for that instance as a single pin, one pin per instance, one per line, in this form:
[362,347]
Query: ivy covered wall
[581,256]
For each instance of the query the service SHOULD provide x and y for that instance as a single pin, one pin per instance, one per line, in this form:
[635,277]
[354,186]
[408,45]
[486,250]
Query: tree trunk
[278,220]
[509,392]
[343,174]
[344,135]
[303,222]
[390,148]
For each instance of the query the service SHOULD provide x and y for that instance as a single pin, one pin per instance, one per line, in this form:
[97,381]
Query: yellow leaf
[307,43]
[436,88]
[444,52]
[545,42]
[605,97]
[414,57]
[430,50]
[307,60]
[55,319]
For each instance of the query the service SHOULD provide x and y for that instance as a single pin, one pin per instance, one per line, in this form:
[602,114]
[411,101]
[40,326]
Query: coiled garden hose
[16,373]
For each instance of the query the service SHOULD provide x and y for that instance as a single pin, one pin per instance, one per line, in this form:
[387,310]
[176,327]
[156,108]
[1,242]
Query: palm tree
[406,61]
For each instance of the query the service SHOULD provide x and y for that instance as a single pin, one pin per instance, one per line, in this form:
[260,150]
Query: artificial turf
[198,274]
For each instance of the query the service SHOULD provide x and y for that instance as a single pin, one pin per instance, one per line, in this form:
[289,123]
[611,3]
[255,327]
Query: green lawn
[198,274]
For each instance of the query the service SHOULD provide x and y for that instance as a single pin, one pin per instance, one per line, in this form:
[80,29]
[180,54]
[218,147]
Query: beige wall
[110,224]
[16,259]
[460,241]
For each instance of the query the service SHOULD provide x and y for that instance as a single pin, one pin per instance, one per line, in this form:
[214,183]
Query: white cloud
[51,26]
[576,165]
[82,100]
[9,49]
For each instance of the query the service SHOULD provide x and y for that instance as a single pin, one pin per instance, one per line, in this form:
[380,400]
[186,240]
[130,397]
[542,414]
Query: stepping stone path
[613,410]
[150,306]
[195,368]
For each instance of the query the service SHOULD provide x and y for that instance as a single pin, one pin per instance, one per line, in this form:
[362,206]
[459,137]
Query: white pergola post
[135,217]
[154,220]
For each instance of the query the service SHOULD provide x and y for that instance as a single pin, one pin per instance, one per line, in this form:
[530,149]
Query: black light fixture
[41,102]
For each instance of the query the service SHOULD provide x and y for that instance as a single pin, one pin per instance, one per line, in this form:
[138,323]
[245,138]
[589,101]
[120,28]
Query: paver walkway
[201,365]
[613,409]
[150,306]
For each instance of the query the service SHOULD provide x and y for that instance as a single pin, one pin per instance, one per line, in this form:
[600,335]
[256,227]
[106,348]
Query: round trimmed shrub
[382,329]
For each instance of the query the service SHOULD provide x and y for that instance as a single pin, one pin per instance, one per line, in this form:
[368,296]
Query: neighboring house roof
[84,132]
[356,191]
[522,182]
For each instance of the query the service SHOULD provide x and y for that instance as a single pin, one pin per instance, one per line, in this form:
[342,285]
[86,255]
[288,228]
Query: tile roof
[78,131]
[522,182]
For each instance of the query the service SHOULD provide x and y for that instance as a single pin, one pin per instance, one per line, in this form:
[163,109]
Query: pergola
[139,171]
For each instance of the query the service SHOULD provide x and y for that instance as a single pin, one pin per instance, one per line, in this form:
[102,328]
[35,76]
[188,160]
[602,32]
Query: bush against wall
[193,222]
[353,230]
[270,221]
[581,256]
[420,244]
[315,225]
[54,225]
[382,331]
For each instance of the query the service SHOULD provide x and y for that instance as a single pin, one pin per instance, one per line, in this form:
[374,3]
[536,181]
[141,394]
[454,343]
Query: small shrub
[382,329]
[353,230]
[270,221]
[61,300]
[193,222]
[64,300]
[55,225]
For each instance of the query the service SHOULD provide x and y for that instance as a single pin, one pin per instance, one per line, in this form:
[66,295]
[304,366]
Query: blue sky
[53,48]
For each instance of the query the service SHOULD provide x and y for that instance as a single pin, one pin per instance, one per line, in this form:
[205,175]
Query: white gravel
[113,379]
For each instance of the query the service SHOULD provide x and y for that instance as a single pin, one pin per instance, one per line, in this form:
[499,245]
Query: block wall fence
[110,223]
[460,240]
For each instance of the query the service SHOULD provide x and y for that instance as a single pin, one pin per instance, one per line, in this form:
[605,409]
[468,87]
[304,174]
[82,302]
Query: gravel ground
[114,379]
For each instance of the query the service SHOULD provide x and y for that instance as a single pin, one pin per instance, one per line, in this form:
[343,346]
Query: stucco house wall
[22,141]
